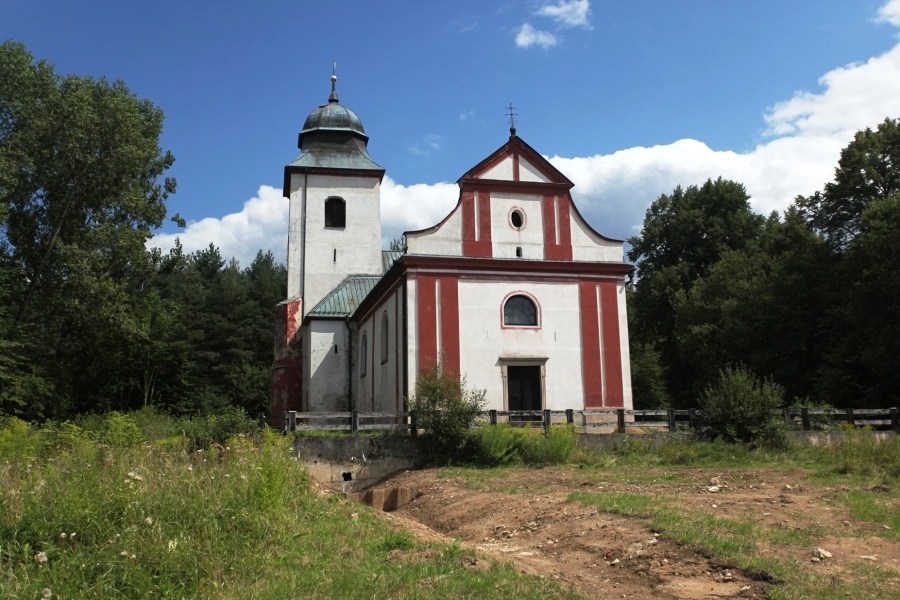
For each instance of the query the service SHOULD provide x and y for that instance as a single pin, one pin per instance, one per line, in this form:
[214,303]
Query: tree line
[91,320]
[809,298]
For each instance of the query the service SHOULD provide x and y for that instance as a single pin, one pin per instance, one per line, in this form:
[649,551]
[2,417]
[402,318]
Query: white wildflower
[63,536]
[134,475]
[46,593]
[40,558]
[148,521]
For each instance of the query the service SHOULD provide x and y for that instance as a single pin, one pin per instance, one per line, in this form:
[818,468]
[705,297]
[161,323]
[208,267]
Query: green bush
[741,407]
[554,448]
[496,445]
[121,431]
[445,408]
[216,428]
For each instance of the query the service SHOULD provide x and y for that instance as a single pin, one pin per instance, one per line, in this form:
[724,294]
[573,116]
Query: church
[513,289]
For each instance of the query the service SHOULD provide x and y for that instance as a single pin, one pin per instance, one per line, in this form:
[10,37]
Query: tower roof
[333,138]
[333,117]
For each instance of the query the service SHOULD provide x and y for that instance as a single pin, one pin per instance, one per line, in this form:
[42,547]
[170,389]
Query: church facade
[513,289]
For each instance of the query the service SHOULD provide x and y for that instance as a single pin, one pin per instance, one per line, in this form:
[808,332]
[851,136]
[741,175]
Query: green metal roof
[343,300]
[388,258]
[349,155]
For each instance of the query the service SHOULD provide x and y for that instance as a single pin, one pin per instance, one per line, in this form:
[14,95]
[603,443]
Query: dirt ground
[522,516]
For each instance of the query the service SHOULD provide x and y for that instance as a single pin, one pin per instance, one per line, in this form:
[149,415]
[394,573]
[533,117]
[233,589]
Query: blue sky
[628,98]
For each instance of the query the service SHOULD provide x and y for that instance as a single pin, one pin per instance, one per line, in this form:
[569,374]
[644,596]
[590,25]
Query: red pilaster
[450,324]
[612,346]
[590,345]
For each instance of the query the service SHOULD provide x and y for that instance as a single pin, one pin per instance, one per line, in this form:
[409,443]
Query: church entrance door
[524,389]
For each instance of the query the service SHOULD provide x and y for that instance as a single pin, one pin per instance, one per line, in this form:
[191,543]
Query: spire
[511,114]
[333,97]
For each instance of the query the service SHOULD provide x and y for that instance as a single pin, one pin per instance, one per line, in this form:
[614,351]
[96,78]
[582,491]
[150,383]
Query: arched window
[363,354]
[520,311]
[335,212]
[384,337]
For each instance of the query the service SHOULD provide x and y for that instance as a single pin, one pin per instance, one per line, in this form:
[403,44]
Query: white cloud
[261,224]
[568,13]
[528,36]
[412,207]
[890,13]
[426,145]
[465,116]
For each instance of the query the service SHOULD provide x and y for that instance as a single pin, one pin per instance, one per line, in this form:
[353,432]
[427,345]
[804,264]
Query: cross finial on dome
[512,114]
[333,97]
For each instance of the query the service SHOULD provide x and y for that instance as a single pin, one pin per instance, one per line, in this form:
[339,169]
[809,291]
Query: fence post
[692,418]
[787,414]
[492,415]
[850,416]
[620,417]
[546,421]
[354,422]
[804,414]
[895,424]
[670,413]
[570,416]
[292,420]
[413,426]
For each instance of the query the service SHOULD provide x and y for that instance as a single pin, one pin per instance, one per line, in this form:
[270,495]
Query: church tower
[334,189]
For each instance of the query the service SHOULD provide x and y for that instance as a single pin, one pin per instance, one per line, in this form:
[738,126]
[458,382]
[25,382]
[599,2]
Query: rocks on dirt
[821,553]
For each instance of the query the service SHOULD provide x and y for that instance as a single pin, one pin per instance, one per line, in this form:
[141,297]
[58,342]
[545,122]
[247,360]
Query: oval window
[517,219]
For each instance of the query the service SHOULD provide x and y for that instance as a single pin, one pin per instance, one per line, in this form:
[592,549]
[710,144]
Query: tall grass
[122,508]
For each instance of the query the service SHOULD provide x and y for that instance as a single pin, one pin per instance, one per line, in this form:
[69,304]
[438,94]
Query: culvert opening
[347,476]
[386,499]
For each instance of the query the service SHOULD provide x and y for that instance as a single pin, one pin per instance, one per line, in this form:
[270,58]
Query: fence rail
[611,419]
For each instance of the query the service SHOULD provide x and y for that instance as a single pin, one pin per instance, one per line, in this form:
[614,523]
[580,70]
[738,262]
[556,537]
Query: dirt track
[523,516]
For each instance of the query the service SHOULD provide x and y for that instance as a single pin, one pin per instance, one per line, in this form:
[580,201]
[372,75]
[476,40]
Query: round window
[517,219]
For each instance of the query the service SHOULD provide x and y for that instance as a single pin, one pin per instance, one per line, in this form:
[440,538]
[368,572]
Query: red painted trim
[538,188]
[289,170]
[612,345]
[484,223]
[516,145]
[450,324]
[425,317]
[480,245]
[531,267]
[515,158]
[551,248]
[565,228]
[590,345]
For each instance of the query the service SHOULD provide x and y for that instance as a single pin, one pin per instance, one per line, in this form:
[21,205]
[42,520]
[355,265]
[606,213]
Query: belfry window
[520,311]
[335,212]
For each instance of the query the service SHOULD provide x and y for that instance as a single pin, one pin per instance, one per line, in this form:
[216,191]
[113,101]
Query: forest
[91,320]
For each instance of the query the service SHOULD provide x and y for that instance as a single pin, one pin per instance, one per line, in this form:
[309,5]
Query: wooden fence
[601,420]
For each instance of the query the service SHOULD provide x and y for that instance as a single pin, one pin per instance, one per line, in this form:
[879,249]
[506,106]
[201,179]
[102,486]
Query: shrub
[741,407]
[121,431]
[445,408]
[554,448]
[496,445]
[218,427]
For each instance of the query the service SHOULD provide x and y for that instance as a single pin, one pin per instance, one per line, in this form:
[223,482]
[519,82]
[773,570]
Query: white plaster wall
[483,340]
[625,351]
[328,351]
[381,380]
[505,238]
[587,246]
[364,382]
[412,334]
[446,240]
[357,246]
[527,172]
[502,170]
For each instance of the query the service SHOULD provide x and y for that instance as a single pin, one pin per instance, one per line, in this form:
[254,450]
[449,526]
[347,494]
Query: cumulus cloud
[261,224]
[568,13]
[528,36]
[804,137]
[890,13]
